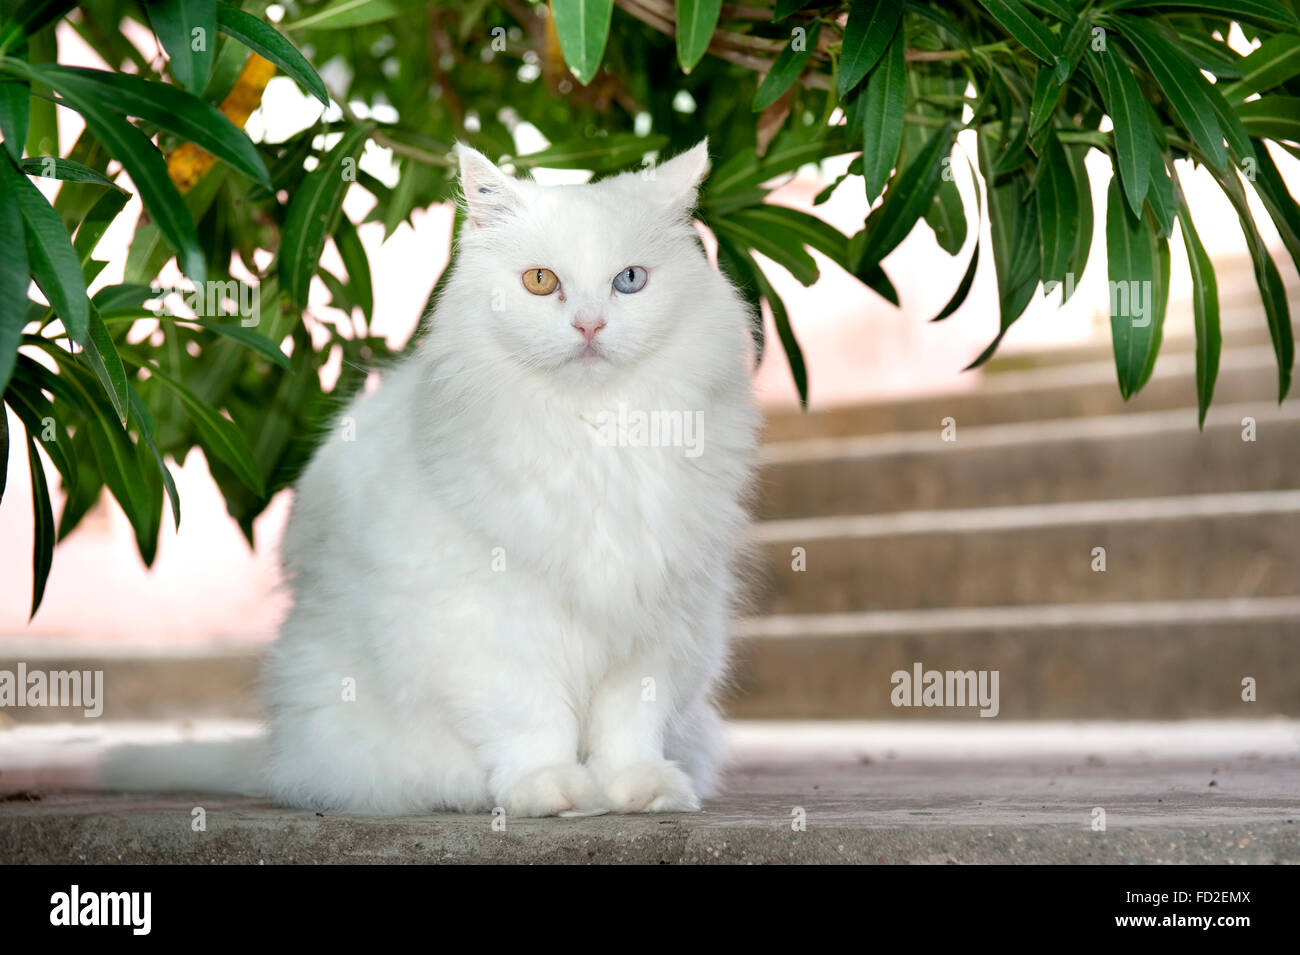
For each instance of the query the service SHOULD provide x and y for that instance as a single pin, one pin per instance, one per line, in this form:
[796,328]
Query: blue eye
[631,279]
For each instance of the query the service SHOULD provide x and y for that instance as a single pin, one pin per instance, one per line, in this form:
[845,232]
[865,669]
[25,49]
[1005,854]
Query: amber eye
[540,281]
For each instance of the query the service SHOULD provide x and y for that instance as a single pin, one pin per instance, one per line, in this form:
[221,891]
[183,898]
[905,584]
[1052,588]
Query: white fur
[580,676]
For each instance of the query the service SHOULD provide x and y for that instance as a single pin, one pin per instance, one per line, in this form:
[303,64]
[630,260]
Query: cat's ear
[678,180]
[490,195]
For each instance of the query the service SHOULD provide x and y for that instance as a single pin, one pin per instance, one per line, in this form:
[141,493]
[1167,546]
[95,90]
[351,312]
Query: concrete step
[1149,454]
[997,792]
[1169,660]
[1246,375]
[1174,548]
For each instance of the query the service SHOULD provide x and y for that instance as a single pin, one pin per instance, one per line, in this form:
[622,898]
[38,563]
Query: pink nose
[589,327]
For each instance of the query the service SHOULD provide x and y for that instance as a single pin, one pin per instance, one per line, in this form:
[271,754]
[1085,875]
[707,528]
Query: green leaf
[1058,212]
[247,337]
[53,262]
[36,413]
[96,222]
[30,17]
[732,264]
[597,154]
[909,197]
[1160,195]
[187,30]
[353,254]
[13,283]
[1129,114]
[963,287]
[787,67]
[314,212]
[947,216]
[101,354]
[696,21]
[172,109]
[52,167]
[219,435]
[1263,11]
[15,103]
[43,525]
[1281,205]
[1025,27]
[1182,84]
[1083,238]
[1132,263]
[343,14]
[1205,309]
[1275,61]
[583,27]
[786,250]
[883,103]
[1272,117]
[264,40]
[745,171]
[1272,290]
[1047,93]
[755,280]
[871,25]
[1013,229]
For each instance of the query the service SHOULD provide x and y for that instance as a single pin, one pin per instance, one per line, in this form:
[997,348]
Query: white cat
[506,590]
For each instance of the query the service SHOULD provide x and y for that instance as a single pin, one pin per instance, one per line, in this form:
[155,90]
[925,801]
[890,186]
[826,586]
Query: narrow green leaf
[15,104]
[96,223]
[343,14]
[1205,309]
[102,356]
[600,154]
[583,28]
[1186,89]
[353,254]
[1132,264]
[696,21]
[1262,11]
[947,216]
[170,108]
[50,255]
[870,27]
[1129,114]
[14,278]
[1058,212]
[783,249]
[1030,31]
[883,104]
[264,40]
[53,167]
[31,16]
[43,525]
[1275,61]
[909,197]
[314,212]
[787,67]
[37,414]
[187,30]
[219,435]
[1272,117]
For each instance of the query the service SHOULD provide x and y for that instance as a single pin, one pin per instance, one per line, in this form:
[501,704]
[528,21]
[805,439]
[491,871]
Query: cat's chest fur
[614,506]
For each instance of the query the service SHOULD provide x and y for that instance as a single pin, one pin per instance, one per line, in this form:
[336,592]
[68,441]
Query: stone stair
[884,545]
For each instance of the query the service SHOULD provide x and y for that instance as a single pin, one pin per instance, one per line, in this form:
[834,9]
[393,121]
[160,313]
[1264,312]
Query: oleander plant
[113,383]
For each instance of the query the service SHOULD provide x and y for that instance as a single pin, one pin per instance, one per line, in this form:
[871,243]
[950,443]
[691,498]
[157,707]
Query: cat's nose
[588,326]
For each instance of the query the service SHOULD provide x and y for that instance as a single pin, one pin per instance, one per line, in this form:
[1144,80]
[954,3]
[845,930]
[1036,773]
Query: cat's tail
[229,766]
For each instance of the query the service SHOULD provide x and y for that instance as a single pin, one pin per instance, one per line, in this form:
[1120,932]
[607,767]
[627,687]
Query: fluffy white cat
[511,576]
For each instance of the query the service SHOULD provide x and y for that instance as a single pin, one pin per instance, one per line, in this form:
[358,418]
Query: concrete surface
[1208,792]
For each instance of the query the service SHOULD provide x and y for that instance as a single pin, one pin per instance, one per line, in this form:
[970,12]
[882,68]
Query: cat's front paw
[650,787]
[564,789]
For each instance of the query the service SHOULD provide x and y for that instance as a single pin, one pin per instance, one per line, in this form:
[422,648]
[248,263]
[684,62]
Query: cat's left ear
[678,180]
[490,195]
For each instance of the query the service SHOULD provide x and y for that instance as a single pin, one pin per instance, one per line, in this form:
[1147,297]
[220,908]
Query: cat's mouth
[589,353]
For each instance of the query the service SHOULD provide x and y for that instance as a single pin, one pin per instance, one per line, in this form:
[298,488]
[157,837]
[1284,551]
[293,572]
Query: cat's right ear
[490,195]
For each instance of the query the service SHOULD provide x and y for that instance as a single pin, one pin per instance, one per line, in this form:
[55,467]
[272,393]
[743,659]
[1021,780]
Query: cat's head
[584,279]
